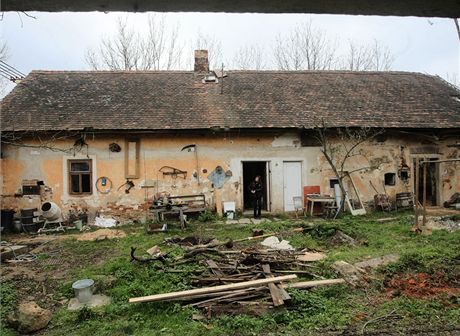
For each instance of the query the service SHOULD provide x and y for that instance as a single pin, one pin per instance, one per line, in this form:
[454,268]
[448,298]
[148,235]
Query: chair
[298,205]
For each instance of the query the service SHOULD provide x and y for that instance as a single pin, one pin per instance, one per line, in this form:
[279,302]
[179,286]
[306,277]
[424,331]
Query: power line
[12,68]
[9,72]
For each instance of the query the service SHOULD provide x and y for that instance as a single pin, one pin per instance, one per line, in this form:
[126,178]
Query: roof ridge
[135,72]
[108,71]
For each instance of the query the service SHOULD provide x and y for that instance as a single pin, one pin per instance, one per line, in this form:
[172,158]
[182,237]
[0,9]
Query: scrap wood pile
[235,281]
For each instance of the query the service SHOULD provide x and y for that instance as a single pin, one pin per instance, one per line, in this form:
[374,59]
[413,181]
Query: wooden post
[218,195]
[416,176]
[274,291]
[424,193]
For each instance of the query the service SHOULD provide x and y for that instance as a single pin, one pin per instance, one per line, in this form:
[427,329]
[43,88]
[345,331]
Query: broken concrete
[274,243]
[352,274]
[377,262]
[155,250]
[340,238]
[97,300]
[311,256]
[11,251]
[30,317]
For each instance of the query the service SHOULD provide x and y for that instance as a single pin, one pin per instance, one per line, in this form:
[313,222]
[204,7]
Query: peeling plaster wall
[225,150]
[385,157]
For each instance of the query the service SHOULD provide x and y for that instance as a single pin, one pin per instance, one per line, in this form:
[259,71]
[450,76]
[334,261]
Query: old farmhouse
[109,141]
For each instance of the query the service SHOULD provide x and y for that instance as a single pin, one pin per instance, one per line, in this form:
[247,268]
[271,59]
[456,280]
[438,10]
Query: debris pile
[233,281]
[449,223]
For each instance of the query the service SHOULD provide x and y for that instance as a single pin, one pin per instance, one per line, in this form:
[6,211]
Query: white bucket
[83,290]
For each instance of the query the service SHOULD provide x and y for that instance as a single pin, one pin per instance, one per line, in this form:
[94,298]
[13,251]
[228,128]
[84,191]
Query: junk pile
[448,223]
[233,281]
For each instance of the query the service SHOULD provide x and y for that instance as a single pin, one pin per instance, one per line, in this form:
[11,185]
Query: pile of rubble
[449,223]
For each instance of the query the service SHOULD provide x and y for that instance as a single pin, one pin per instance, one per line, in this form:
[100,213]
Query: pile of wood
[235,281]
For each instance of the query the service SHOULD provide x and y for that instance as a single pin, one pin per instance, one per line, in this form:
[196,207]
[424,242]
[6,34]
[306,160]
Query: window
[333,182]
[390,179]
[80,177]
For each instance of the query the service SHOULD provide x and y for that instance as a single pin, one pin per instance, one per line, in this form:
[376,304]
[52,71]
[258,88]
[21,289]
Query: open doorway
[250,170]
[431,181]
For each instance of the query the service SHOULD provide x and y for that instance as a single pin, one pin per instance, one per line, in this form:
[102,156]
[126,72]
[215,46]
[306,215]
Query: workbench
[318,199]
[162,210]
[188,204]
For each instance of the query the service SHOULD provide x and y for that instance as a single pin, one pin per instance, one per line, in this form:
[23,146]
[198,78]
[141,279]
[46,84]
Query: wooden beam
[274,291]
[309,284]
[191,292]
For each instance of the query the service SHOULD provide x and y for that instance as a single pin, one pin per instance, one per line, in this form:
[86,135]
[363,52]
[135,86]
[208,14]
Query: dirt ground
[40,280]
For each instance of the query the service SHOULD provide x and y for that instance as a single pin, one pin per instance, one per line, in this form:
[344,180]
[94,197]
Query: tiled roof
[73,100]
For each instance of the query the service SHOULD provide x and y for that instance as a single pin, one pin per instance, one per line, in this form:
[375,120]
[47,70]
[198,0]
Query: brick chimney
[201,61]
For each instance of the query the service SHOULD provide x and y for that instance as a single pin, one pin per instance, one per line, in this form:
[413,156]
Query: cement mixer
[53,215]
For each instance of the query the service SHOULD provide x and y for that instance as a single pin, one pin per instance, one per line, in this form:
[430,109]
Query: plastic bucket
[83,290]
[78,224]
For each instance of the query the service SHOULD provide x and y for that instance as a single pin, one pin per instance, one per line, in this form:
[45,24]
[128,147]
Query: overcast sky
[58,41]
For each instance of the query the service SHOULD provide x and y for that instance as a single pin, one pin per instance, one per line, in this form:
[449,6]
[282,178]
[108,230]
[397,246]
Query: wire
[13,69]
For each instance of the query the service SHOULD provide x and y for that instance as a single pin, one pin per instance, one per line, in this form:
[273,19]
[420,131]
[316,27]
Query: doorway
[431,181]
[292,183]
[250,170]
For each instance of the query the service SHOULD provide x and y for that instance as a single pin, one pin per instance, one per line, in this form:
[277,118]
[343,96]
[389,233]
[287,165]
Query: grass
[312,311]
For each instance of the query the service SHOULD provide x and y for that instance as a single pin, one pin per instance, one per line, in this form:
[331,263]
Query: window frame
[70,173]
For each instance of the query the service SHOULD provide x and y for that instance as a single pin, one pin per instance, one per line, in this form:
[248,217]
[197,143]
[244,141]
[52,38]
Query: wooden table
[318,199]
[160,211]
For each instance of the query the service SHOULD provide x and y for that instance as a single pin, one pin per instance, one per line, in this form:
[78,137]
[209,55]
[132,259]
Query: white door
[292,183]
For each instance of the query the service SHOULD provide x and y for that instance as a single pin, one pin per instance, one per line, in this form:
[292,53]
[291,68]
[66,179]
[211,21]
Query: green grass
[312,311]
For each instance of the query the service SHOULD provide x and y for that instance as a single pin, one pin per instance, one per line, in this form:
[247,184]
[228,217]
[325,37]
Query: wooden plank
[214,268]
[214,295]
[197,291]
[274,291]
[284,294]
[238,295]
[309,284]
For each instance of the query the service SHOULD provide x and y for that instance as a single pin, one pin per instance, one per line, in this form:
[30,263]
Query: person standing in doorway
[256,188]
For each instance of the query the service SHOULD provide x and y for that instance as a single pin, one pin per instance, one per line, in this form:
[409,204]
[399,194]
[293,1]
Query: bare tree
[358,58]
[129,50]
[339,145]
[161,50]
[453,79]
[371,57]
[249,57]
[381,57]
[305,48]
[4,52]
[4,55]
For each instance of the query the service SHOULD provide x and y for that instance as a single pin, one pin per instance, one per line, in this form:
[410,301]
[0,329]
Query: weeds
[8,299]
[312,311]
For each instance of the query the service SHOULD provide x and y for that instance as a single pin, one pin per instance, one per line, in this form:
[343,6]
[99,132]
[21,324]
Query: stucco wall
[225,150]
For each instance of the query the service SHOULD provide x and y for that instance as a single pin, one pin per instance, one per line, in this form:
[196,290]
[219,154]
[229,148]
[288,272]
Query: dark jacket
[256,189]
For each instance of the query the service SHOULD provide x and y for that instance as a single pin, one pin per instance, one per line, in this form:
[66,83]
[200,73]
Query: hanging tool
[173,172]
